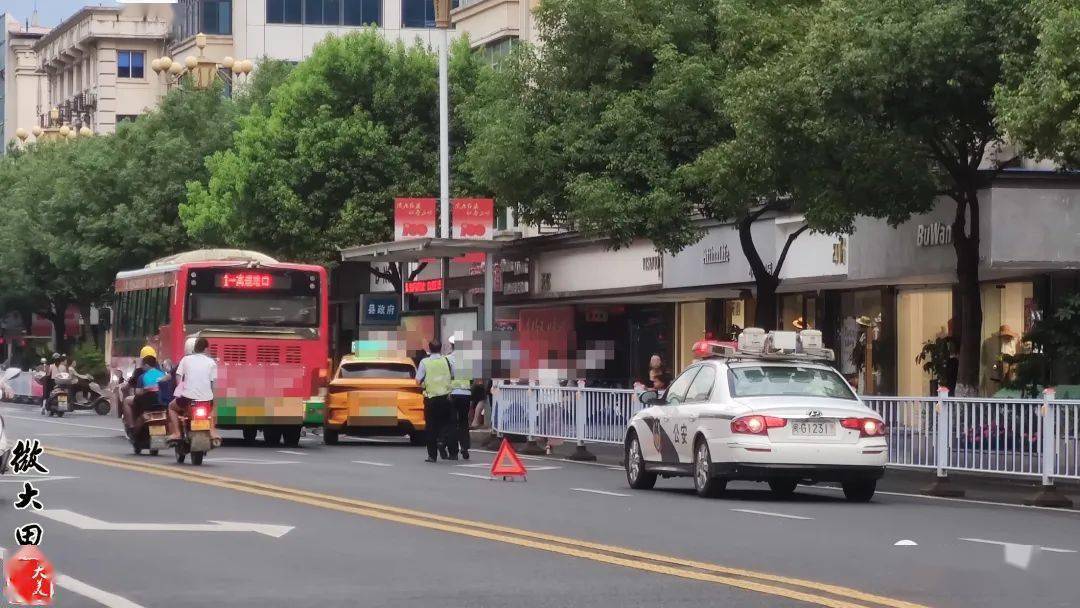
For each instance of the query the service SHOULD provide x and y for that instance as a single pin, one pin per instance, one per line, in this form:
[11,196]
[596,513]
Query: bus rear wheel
[250,435]
[271,435]
[292,436]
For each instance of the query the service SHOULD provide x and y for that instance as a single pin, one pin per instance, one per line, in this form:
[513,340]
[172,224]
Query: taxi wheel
[330,437]
[859,491]
[705,483]
[783,487]
[636,475]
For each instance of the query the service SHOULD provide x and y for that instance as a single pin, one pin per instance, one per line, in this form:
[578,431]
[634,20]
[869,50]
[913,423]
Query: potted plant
[934,358]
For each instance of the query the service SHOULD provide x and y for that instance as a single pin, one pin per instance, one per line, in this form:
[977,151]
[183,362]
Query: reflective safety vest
[461,380]
[437,377]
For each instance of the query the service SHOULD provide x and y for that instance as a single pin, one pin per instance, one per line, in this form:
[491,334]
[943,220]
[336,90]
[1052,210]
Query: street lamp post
[52,128]
[202,70]
[442,22]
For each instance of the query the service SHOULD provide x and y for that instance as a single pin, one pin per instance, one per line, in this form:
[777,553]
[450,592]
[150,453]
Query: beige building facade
[22,85]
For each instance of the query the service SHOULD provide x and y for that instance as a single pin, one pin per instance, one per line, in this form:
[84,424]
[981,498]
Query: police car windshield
[786,381]
[394,371]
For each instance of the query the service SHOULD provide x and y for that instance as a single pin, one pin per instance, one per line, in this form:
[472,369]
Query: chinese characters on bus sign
[429,286]
[246,280]
[414,218]
[474,218]
[28,576]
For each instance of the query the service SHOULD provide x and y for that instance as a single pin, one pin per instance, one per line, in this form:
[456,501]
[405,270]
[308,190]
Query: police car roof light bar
[756,343]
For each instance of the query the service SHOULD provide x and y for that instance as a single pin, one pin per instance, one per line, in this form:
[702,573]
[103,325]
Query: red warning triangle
[507,463]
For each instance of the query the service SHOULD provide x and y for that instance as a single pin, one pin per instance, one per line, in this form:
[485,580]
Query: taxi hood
[800,407]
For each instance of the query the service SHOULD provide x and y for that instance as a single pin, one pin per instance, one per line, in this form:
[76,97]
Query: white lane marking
[616,469]
[85,522]
[965,500]
[291,452]
[1005,544]
[47,421]
[485,465]
[771,514]
[604,492]
[372,440]
[251,461]
[373,463]
[109,600]
[36,479]
[905,543]
[472,476]
[73,435]
[1015,554]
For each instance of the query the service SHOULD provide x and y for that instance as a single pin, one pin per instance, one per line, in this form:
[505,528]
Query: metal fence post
[942,437]
[1048,495]
[532,448]
[580,412]
[495,418]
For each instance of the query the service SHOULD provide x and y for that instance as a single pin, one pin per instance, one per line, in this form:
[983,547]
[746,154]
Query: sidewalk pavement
[981,487]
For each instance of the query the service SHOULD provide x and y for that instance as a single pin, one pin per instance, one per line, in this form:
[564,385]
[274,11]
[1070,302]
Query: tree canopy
[1039,102]
[318,166]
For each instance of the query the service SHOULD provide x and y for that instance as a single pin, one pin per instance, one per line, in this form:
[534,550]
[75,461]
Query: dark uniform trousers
[436,418]
[459,429]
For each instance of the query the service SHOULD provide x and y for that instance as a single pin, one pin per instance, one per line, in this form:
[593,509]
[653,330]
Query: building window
[284,11]
[120,118]
[217,17]
[363,12]
[322,12]
[494,52]
[420,13]
[129,64]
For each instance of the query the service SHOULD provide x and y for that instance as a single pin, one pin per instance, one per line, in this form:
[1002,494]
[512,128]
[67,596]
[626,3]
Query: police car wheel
[636,475]
[707,485]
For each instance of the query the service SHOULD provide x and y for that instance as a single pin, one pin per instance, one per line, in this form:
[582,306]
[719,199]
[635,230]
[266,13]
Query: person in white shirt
[195,376]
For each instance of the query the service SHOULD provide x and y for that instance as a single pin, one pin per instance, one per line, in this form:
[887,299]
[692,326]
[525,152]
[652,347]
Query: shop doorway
[691,328]
[798,311]
[1009,312]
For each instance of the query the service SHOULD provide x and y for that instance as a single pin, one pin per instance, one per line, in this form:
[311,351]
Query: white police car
[767,410]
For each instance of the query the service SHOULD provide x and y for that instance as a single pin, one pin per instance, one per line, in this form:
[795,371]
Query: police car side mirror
[650,397]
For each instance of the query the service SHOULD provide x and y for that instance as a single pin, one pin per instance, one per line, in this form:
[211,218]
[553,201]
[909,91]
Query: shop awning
[413,250]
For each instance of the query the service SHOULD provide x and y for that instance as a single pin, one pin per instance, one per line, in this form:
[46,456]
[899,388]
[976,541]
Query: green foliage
[318,167]
[1040,100]
[1054,353]
[935,355]
[89,360]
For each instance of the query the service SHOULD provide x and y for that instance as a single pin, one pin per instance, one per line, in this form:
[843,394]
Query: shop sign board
[717,259]
[379,309]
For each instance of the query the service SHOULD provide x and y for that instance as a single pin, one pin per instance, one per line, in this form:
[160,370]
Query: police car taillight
[867,427]
[756,425]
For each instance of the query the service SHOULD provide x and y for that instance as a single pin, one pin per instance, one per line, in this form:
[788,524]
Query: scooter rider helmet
[57,357]
[147,351]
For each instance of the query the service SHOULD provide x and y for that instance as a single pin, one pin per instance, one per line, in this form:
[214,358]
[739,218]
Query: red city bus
[266,323]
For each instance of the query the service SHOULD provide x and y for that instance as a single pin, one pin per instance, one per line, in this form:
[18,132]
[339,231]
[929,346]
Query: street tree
[636,119]
[317,168]
[1039,101]
[921,74]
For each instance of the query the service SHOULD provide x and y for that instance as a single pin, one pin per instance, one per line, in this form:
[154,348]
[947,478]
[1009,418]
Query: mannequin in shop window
[868,330]
[997,351]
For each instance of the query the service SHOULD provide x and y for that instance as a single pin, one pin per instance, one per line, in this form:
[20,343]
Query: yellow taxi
[374,393]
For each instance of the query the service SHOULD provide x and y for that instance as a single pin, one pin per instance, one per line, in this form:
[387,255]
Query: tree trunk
[765,308]
[57,316]
[966,245]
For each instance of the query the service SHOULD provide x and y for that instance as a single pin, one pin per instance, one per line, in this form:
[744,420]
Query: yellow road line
[624,557]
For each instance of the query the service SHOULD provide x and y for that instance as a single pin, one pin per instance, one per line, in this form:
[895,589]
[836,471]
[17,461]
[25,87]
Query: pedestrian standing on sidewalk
[457,429]
[435,375]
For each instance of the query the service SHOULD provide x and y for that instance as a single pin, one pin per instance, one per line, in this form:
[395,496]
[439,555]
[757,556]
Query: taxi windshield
[786,380]
[377,369]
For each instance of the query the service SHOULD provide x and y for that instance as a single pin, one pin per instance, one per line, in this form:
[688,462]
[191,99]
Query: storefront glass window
[922,315]
[798,311]
[1008,313]
[861,320]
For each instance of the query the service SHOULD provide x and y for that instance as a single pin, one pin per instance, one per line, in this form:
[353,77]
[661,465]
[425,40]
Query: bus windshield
[269,309]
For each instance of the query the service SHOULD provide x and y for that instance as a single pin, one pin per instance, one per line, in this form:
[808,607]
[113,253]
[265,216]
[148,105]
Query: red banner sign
[474,218]
[414,218]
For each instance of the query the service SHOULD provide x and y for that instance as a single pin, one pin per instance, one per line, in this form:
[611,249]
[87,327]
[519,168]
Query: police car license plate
[812,429]
[200,425]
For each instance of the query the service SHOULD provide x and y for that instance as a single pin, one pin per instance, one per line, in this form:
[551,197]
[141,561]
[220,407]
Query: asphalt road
[369,523]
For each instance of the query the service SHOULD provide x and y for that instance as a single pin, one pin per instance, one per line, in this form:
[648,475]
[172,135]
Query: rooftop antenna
[34,19]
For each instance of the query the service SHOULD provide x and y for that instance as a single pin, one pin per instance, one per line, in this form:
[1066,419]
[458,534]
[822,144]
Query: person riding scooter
[133,383]
[196,375]
[147,391]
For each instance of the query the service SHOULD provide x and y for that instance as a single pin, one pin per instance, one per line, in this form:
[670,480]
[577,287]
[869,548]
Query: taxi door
[669,431]
[698,399]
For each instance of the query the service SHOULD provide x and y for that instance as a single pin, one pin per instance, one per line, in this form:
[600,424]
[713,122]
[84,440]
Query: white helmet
[189,346]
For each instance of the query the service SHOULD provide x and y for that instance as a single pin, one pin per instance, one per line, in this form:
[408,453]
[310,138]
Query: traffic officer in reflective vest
[460,398]
[435,375]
